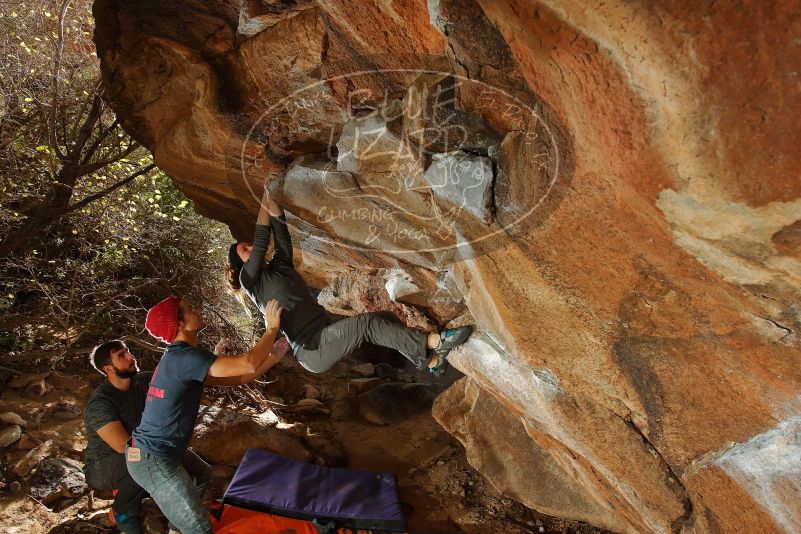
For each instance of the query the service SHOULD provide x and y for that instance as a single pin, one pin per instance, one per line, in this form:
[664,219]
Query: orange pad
[241,521]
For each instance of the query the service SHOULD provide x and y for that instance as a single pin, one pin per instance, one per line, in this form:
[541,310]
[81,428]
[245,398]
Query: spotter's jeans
[175,492]
[111,473]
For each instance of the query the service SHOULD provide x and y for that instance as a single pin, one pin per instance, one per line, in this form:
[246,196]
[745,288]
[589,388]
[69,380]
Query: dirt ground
[440,491]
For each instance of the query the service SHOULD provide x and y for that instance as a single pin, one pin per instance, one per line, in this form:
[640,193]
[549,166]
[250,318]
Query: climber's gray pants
[323,349]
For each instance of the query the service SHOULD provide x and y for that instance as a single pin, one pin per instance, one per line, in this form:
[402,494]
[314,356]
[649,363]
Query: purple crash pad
[271,483]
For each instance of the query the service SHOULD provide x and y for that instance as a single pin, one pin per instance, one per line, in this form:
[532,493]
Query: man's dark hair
[101,355]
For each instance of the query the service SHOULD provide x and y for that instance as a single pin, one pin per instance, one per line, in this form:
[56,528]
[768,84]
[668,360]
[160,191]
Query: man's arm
[115,435]
[102,417]
[250,362]
[280,348]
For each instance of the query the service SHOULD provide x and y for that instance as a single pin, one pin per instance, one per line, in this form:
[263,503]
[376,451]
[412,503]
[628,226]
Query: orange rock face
[611,188]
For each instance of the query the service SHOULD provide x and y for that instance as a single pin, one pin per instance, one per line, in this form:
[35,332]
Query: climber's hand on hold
[275,209]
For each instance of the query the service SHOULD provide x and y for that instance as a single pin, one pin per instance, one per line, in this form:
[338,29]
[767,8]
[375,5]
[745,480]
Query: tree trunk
[58,200]
[19,239]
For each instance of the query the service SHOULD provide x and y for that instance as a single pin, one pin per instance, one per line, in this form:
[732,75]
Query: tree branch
[56,75]
[106,191]
[92,167]
[85,131]
[100,138]
[76,351]
[84,106]
[142,343]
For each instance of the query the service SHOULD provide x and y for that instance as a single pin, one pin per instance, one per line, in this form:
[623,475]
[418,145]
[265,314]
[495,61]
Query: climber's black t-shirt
[108,404]
[173,401]
[302,316]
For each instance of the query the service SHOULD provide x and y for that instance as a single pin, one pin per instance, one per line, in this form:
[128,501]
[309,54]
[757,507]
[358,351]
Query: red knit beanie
[162,319]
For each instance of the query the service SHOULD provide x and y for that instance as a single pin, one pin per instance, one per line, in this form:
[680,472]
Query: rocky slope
[610,189]
[317,418]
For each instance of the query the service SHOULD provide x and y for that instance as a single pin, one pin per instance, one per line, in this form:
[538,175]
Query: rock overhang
[618,275]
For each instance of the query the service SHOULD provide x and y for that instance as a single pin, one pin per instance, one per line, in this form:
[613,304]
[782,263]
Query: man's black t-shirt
[108,404]
[173,401]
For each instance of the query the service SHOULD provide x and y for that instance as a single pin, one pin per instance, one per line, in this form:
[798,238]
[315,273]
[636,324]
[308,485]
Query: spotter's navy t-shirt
[173,401]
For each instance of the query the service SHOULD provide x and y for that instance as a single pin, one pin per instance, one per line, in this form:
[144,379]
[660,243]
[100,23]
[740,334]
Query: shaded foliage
[91,232]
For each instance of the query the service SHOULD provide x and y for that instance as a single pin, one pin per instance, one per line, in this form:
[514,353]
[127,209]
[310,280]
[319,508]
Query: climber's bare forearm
[268,208]
[275,209]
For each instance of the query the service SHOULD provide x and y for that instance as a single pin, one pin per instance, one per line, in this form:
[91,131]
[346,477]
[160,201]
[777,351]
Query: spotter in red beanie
[162,319]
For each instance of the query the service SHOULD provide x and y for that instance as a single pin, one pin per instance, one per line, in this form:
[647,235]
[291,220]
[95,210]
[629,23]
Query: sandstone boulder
[10,418]
[55,478]
[212,437]
[464,180]
[34,457]
[10,435]
[361,293]
[632,265]
[532,471]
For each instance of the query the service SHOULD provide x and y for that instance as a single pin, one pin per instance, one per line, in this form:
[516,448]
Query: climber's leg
[341,338]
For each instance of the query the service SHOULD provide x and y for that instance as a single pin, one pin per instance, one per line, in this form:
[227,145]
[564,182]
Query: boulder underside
[608,190]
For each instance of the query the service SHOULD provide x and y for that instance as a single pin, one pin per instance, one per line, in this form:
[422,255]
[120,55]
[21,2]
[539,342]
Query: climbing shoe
[451,338]
[448,339]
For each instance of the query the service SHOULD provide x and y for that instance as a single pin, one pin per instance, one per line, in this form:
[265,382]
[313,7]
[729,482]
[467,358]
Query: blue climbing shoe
[448,339]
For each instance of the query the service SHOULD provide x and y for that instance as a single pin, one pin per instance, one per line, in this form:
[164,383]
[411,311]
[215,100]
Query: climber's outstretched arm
[264,209]
[261,240]
[268,208]
[273,207]
[283,242]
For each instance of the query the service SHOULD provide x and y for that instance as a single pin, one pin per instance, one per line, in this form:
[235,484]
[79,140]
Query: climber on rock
[173,400]
[318,338]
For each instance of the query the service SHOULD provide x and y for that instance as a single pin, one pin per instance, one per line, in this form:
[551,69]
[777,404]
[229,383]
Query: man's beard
[126,373]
